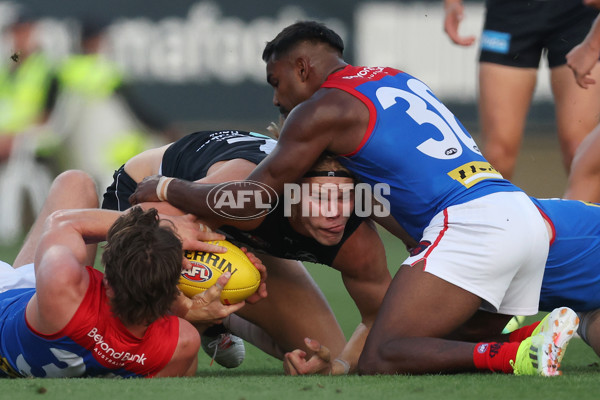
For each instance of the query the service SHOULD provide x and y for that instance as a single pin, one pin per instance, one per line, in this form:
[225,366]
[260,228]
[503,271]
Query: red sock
[518,335]
[495,357]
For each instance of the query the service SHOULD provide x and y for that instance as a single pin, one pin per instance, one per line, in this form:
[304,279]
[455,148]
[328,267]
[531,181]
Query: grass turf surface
[261,377]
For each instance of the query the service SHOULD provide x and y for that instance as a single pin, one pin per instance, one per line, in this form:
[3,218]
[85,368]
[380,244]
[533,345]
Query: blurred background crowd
[89,84]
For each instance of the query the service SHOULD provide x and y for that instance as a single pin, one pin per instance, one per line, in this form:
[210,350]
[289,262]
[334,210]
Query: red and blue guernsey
[94,342]
[415,145]
[572,274]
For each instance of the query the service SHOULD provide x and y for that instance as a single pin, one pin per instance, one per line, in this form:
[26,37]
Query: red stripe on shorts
[437,240]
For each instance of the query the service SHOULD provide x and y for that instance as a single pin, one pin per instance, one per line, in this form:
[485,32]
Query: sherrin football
[206,268]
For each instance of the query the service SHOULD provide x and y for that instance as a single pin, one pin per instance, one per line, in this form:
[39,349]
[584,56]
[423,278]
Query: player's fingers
[214,292]
[203,246]
[320,351]
[288,367]
[588,81]
[296,360]
[133,199]
[261,293]
[257,263]
[210,235]
[235,307]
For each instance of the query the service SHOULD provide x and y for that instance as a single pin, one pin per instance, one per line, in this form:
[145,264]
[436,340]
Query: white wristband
[345,364]
[161,187]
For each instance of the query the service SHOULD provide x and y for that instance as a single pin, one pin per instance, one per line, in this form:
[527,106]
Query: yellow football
[206,268]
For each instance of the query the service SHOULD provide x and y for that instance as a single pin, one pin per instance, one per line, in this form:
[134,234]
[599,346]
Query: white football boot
[226,349]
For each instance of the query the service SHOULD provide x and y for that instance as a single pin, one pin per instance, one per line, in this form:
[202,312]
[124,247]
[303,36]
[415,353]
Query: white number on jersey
[447,148]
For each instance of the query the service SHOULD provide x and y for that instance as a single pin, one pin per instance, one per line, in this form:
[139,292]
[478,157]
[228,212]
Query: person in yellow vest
[104,124]
[27,84]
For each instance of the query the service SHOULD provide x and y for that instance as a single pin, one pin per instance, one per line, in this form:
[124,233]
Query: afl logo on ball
[198,273]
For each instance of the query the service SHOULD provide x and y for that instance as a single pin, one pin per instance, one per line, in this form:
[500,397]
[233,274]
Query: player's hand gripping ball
[206,268]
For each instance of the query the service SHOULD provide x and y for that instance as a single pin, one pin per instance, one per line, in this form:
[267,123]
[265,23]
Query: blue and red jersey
[416,145]
[93,343]
[572,274]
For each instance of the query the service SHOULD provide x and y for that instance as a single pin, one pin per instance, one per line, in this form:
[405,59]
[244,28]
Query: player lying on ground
[344,242]
[393,130]
[570,222]
[59,318]
[240,144]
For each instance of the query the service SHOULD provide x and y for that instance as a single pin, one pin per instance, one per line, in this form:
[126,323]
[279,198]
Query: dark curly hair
[301,31]
[142,264]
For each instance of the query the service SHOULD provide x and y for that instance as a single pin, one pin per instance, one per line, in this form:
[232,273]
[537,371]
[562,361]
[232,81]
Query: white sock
[253,334]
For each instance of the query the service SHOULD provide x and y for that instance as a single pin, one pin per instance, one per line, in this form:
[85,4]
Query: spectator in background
[584,179]
[27,83]
[103,123]
[515,35]
[28,88]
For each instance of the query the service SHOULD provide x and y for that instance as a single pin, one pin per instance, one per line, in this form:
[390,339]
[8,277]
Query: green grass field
[261,377]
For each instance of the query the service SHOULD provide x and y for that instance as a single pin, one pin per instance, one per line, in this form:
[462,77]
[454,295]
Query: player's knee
[189,339]
[372,361]
[80,184]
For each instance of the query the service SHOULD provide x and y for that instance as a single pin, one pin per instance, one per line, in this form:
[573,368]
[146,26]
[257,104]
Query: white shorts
[16,278]
[494,247]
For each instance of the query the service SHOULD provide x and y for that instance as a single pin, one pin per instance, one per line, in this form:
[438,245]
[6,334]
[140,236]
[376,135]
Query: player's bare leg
[71,189]
[505,95]
[483,326]
[415,315]
[591,324]
[577,109]
[584,179]
[294,309]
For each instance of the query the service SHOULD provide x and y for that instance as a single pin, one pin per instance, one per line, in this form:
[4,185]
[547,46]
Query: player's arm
[393,227]
[363,265]
[61,282]
[583,57]
[362,262]
[584,179]
[318,124]
[454,10]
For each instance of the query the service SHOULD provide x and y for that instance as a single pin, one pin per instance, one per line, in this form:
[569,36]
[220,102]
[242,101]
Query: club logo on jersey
[418,249]
[474,172]
[198,273]
[229,199]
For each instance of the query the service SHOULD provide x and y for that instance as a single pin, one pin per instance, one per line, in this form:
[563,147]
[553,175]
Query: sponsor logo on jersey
[110,355]
[473,172]
[366,73]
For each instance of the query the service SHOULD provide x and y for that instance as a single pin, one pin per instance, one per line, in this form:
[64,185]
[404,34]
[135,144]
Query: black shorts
[117,194]
[190,158]
[517,32]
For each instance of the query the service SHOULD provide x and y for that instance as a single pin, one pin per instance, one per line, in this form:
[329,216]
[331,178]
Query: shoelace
[215,343]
